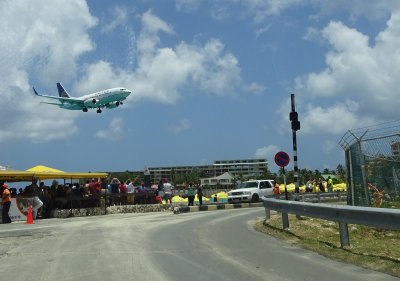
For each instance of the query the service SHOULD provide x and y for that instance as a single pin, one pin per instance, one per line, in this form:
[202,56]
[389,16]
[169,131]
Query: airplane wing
[62,100]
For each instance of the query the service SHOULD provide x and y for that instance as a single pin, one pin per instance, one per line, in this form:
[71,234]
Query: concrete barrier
[121,209]
[188,209]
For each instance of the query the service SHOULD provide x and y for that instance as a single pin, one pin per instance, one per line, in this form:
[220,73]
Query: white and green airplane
[110,98]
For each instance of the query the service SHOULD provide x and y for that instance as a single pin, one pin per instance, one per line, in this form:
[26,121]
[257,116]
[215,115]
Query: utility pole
[293,116]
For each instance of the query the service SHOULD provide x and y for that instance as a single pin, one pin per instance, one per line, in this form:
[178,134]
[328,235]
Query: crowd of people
[311,186]
[75,195]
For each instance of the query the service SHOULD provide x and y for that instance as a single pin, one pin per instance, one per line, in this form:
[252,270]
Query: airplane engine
[111,105]
[90,102]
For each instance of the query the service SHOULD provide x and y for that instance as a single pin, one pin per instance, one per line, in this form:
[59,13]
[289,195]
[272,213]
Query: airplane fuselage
[105,98]
[109,98]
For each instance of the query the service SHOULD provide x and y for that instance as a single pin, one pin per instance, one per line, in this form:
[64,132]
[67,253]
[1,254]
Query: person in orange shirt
[276,188]
[6,201]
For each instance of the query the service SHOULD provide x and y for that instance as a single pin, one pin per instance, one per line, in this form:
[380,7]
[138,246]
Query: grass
[373,248]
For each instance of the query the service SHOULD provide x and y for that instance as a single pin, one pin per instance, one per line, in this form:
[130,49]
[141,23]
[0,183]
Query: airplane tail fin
[62,92]
[36,93]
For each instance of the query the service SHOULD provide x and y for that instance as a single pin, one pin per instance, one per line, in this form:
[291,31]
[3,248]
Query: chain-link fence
[372,163]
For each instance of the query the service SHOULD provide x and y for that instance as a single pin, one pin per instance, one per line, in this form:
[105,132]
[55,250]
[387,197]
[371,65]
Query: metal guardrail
[316,196]
[383,218]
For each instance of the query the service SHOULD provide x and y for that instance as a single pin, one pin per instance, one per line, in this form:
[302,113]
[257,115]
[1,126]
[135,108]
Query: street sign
[282,159]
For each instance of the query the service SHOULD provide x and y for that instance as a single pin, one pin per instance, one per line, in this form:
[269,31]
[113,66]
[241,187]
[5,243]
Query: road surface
[218,245]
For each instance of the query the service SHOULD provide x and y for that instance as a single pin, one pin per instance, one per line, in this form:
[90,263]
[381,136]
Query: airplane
[110,98]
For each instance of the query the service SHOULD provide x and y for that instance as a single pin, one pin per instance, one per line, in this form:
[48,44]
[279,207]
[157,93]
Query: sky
[210,80]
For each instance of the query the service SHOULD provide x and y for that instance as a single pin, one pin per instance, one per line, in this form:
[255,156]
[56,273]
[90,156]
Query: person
[276,188]
[123,193]
[129,186]
[86,187]
[140,197]
[160,189]
[314,186]
[6,202]
[142,188]
[191,195]
[94,187]
[130,189]
[33,190]
[215,198]
[167,191]
[321,186]
[200,194]
[114,191]
[329,184]
[309,187]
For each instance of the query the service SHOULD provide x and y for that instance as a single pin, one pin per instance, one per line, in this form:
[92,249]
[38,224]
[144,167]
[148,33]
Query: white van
[251,191]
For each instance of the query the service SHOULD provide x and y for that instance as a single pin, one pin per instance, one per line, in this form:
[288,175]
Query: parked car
[251,191]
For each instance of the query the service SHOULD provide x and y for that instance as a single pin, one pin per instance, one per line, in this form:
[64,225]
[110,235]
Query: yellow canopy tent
[44,173]
[41,168]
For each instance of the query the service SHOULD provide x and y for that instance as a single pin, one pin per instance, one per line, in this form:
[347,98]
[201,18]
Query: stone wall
[65,213]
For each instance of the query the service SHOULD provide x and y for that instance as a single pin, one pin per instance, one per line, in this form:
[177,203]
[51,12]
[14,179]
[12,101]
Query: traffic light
[293,116]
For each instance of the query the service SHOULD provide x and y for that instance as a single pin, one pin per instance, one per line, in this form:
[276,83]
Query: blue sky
[211,80]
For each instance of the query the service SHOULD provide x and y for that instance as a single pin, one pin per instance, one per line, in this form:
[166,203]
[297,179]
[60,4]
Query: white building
[239,167]
[224,179]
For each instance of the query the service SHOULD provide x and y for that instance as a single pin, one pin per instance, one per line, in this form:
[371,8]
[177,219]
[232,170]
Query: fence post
[285,220]
[267,213]
[344,234]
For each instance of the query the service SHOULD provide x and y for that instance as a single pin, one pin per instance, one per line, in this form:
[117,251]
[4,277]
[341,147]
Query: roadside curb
[189,209]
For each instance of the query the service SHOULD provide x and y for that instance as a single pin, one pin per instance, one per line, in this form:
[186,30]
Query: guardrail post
[285,220]
[344,234]
[267,213]
[319,197]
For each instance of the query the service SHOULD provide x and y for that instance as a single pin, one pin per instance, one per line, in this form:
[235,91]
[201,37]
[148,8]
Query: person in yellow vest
[329,184]
[6,202]
[314,186]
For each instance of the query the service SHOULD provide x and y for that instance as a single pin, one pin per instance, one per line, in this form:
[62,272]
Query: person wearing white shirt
[167,191]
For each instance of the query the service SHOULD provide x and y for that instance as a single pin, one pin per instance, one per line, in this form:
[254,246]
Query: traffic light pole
[295,127]
[284,182]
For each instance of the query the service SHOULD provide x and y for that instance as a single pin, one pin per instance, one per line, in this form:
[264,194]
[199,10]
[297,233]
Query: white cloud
[329,146]
[330,120]
[183,124]
[262,30]
[115,130]
[261,11]
[44,46]
[267,152]
[120,15]
[163,71]
[187,5]
[361,76]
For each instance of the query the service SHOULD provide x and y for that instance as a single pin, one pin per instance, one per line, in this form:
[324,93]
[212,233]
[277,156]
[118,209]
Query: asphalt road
[219,245]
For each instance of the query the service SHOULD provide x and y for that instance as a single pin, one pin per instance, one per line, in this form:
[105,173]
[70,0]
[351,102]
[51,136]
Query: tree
[317,174]
[304,176]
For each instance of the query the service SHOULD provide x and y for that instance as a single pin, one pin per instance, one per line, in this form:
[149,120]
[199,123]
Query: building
[241,167]
[224,179]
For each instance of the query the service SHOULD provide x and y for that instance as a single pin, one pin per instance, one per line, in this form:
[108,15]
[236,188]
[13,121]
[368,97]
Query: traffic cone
[29,219]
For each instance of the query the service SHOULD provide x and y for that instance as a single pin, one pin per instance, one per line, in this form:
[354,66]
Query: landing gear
[85,109]
[99,110]
[117,103]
